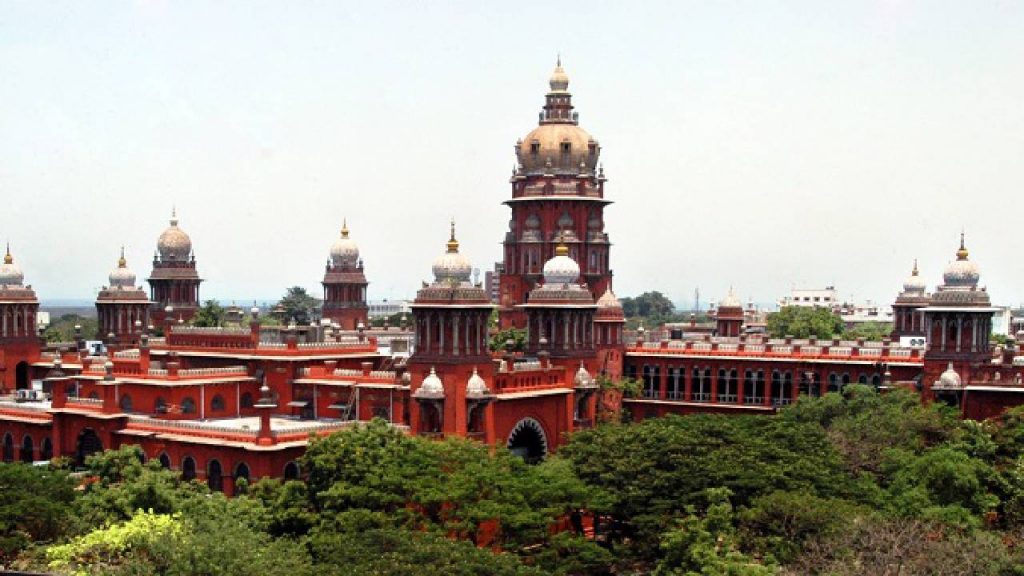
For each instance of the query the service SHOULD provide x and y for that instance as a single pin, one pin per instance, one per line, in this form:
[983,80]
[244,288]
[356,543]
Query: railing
[782,401]
[727,398]
[650,393]
[127,354]
[701,396]
[272,345]
[85,401]
[157,372]
[383,374]
[213,371]
[753,399]
[347,372]
[674,395]
[210,331]
[524,366]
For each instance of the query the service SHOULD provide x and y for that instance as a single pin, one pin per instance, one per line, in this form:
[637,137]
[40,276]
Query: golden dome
[565,146]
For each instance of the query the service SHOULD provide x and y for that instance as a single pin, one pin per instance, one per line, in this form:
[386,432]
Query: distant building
[826,297]
[492,282]
[385,308]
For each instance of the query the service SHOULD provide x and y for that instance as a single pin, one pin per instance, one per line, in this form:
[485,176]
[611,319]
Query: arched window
[8,447]
[165,461]
[160,405]
[188,406]
[126,403]
[291,471]
[188,468]
[215,476]
[217,404]
[246,401]
[241,471]
[27,450]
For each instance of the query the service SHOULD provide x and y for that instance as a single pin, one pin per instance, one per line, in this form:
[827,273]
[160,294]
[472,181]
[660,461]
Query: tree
[500,338]
[804,322]
[63,329]
[210,315]
[871,331]
[648,305]
[298,305]
[36,507]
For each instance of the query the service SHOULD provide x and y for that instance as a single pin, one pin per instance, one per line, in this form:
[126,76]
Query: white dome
[10,273]
[961,272]
[476,386]
[914,283]
[431,386]
[452,267]
[561,269]
[174,244]
[730,300]
[949,378]
[608,300]
[122,276]
[583,377]
[344,251]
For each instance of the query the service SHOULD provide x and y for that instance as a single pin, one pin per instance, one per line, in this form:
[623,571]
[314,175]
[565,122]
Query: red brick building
[345,284]
[174,282]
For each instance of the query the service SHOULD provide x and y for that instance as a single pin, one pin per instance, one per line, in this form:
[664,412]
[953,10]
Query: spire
[121,262]
[561,249]
[914,272]
[7,257]
[961,254]
[344,227]
[453,244]
[174,215]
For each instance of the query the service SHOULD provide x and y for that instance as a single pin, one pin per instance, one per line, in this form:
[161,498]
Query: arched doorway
[241,471]
[21,381]
[291,471]
[215,476]
[528,441]
[165,461]
[188,468]
[46,449]
[27,450]
[88,444]
[8,447]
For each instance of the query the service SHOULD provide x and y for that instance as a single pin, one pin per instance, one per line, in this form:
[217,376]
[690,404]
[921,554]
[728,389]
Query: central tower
[557,196]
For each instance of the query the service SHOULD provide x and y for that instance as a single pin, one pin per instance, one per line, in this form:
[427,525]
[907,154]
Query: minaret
[450,319]
[729,316]
[19,342]
[345,284]
[609,323]
[122,308]
[174,281]
[557,192]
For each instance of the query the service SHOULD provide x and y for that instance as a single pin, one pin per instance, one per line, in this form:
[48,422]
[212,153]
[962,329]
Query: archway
[21,381]
[8,447]
[46,449]
[27,450]
[165,461]
[528,441]
[241,471]
[126,403]
[88,444]
[215,476]
[291,471]
[188,468]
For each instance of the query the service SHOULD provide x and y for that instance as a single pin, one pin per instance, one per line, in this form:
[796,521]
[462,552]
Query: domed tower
[345,284]
[560,312]
[450,318]
[906,310]
[729,316]
[609,322]
[122,307]
[957,323]
[19,344]
[557,191]
[174,282]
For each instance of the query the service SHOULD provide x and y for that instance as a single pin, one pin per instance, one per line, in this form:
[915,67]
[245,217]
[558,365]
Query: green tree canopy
[803,322]
[298,305]
[210,314]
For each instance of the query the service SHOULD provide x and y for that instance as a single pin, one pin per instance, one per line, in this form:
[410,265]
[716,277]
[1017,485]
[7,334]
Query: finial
[121,262]
[961,254]
[7,257]
[344,227]
[453,244]
[561,249]
[558,60]
[914,272]
[174,215]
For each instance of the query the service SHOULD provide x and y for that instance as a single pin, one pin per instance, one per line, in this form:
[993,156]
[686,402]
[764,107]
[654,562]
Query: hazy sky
[754,144]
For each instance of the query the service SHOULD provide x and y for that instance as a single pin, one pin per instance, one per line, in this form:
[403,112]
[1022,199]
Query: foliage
[210,314]
[500,338]
[779,524]
[804,322]
[298,305]
[63,328]
[648,304]
[35,507]
[630,387]
[870,331]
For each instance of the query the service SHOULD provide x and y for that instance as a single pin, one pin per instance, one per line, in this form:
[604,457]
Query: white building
[383,308]
[826,297]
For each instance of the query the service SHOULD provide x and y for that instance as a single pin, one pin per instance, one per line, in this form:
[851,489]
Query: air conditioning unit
[22,395]
[36,395]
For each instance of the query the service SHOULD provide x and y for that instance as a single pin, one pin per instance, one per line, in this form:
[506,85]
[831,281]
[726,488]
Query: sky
[758,145]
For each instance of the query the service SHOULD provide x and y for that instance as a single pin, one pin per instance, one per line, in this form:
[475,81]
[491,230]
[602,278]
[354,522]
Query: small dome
[961,273]
[476,386]
[432,387]
[10,273]
[559,81]
[344,251]
[914,283]
[949,378]
[608,301]
[561,269]
[583,377]
[452,267]
[122,276]
[174,244]
[730,300]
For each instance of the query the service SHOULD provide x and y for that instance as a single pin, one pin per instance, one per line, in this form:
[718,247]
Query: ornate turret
[557,198]
[908,321]
[729,315]
[174,280]
[345,284]
[19,308]
[561,309]
[122,307]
